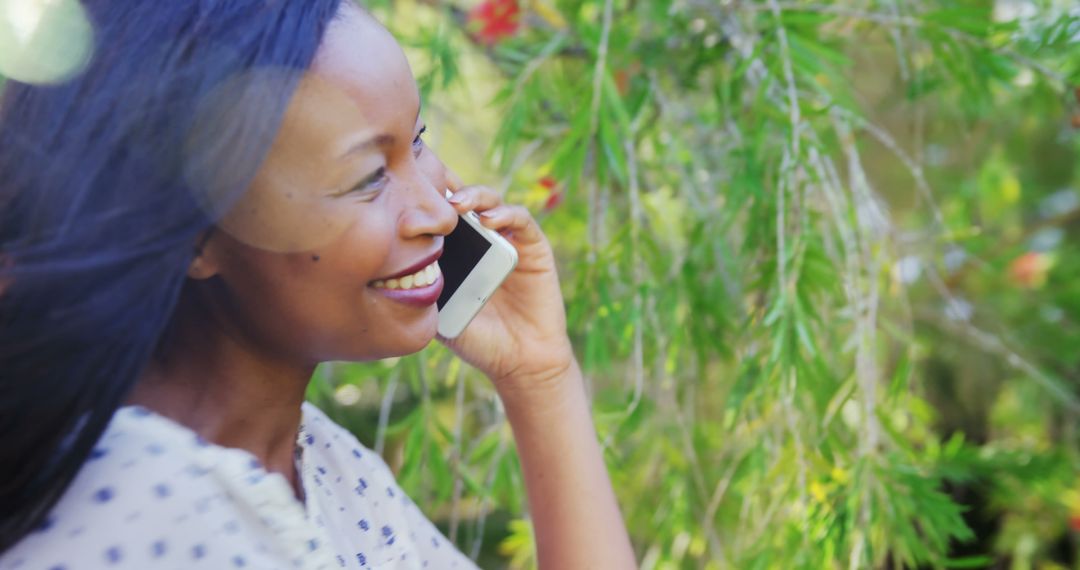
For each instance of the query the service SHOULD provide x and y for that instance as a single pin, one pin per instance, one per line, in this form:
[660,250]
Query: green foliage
[819,269]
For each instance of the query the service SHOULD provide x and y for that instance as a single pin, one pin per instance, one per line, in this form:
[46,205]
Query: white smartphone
[475,261]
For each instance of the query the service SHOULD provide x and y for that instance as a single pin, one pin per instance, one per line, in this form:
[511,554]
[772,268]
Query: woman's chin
[419,342]
[400,340]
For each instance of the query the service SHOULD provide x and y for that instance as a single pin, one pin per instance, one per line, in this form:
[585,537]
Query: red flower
[493,20]
[555,195]
[1074,522]
[1030,269]
[553,201]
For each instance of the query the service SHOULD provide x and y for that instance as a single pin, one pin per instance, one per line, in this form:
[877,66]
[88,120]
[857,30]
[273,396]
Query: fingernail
[456,198]
[489,213]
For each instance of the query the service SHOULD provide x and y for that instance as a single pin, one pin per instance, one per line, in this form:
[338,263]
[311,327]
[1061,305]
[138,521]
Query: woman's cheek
[369,241]
[285,216]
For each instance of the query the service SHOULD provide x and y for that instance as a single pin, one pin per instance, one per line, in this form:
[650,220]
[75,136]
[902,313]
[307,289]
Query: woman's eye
[418,142]
[372,184]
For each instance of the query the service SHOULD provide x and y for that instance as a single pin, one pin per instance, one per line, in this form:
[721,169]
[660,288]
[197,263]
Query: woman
[210,209]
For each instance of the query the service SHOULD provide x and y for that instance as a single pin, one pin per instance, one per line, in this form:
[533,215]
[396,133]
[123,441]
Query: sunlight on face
[292,203]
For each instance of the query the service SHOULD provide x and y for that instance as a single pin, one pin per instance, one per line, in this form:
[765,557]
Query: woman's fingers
[507,219]
[453,181]
[515,220]
[477,198]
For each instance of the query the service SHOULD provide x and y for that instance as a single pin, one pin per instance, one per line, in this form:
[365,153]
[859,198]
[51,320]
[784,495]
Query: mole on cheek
[315,257]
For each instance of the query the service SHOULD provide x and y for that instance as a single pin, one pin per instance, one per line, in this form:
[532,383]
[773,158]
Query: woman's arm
[519,340]
[575,515]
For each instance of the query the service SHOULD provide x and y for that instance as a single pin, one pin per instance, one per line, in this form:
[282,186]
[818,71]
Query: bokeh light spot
[44,41]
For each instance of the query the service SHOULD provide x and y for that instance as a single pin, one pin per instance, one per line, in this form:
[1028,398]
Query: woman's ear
[204,265]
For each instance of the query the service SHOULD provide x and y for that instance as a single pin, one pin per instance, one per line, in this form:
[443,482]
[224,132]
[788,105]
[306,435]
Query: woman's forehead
[360,57]
[359,89]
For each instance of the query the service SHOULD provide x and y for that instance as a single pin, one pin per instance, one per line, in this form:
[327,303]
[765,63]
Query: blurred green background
[820,257]
[820,262]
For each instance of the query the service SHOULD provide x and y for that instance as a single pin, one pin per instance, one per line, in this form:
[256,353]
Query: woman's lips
[421,288]
[417,296]
[424,263]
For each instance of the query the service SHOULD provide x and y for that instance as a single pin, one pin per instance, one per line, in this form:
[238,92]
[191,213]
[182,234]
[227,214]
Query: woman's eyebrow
[377,141]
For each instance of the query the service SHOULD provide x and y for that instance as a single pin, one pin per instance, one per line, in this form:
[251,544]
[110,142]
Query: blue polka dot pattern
[154,495]
[103,495]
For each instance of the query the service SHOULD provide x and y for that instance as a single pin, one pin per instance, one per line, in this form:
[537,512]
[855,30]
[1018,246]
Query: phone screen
[462,250]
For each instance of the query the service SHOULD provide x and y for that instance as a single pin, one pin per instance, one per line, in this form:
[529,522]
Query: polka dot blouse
[153,495]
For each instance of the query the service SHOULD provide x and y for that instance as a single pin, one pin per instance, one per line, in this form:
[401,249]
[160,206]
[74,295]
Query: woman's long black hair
[105,183]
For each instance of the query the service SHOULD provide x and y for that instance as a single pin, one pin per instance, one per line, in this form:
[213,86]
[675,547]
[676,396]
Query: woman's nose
[429,212]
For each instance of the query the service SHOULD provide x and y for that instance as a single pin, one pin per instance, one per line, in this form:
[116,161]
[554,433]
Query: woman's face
[348,198]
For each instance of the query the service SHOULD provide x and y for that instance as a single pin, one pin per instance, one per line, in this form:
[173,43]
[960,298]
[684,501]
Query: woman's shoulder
[150,493]
[155,495]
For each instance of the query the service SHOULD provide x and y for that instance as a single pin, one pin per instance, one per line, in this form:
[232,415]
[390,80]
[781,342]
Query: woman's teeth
[422,278]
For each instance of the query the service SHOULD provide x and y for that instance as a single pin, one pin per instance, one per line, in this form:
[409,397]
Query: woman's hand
[519,338]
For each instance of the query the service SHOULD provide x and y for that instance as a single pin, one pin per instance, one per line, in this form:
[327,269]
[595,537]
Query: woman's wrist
[575,514]
[541,393]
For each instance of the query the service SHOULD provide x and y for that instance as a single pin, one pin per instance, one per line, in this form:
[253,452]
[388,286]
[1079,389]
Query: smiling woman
[228,195]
